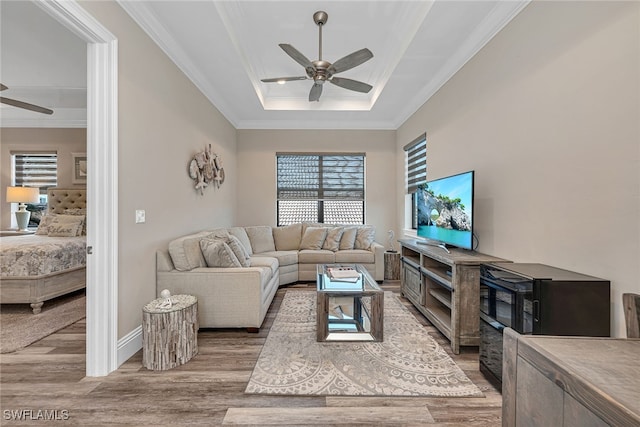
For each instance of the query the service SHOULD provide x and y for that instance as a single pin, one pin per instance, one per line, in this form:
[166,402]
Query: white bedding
[37,255]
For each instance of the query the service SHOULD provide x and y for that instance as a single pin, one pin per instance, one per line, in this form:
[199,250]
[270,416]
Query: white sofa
[239,296]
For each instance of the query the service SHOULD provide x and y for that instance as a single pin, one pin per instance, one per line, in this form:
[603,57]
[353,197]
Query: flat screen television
[445,211]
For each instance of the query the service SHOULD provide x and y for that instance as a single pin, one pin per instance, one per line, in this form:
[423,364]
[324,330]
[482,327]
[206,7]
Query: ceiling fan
[322,71]
[21,104]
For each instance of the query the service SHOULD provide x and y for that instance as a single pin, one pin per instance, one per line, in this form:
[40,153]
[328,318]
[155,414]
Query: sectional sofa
[235,272]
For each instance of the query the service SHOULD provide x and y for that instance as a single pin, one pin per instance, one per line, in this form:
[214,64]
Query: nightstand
[6,233]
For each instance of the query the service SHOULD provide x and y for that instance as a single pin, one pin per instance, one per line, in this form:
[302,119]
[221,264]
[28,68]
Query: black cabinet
[541,300]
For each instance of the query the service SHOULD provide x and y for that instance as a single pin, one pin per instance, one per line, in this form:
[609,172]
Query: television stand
[445,288]
[436,244]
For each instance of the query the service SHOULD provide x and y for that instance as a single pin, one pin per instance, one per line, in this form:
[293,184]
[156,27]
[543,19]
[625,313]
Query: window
[37,169]
[416,168]
[326,188]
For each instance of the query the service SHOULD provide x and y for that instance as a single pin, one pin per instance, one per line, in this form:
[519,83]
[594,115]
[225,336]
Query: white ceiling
[227,47]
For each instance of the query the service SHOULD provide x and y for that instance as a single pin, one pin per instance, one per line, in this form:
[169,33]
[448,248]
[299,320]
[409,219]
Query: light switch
[140,216]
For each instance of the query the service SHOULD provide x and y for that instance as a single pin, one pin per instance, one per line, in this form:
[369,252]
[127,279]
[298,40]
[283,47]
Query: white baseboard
[129,345]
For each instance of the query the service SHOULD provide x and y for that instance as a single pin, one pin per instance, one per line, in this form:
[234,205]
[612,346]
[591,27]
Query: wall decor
[79,162]
[206,168]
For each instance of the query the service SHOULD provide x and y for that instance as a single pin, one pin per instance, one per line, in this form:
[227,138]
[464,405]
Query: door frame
[102,182]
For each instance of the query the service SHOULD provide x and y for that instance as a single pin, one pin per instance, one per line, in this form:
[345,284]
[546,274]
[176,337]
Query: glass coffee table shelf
[350,304]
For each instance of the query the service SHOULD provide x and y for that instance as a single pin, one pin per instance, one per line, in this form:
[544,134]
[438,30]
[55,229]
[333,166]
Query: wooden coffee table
[348,309]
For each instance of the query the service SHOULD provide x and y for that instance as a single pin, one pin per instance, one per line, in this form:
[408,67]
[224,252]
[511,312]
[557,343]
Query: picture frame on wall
[79,162]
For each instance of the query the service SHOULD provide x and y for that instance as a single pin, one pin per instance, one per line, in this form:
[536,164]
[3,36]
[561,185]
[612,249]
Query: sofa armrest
[378,255]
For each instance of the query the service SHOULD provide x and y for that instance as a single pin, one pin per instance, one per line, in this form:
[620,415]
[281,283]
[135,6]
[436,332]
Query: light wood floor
[208,390]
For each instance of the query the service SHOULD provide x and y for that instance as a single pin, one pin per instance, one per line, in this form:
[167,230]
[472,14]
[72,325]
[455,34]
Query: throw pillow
[348,238]
[45,222]
[332,241]
[186,253]
[79,212]
[241,234]
[238,250]
[218,254]
[261,238]
[313,238]
[43,227]
[364,237]
[60,227]
[287,238]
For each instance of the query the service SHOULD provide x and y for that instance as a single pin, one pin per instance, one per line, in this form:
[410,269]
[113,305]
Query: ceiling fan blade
[284,79]
[296,55]
[351,84]
[25,105]
[352,60]
[3,87]
[316,91]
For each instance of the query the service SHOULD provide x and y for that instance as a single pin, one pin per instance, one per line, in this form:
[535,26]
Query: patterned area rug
[19,327]
[408,363]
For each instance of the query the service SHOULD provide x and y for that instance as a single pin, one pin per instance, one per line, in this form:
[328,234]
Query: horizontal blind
[321,187]
[35,170]
[320,177]
[416,163]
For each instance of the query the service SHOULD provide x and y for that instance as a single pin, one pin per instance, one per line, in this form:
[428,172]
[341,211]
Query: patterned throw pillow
[47,220]
[218,254]
[364,237]
[78,212]
[239,250]
[60,227]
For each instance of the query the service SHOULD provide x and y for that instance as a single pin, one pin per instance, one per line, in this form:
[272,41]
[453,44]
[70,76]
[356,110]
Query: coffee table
[349,308]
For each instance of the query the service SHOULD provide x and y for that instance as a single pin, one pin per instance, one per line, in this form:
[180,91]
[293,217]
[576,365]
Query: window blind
[416,162]
[320,187]
[35,170]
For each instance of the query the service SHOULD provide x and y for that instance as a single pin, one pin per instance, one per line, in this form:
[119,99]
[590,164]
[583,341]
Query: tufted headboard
[60,199]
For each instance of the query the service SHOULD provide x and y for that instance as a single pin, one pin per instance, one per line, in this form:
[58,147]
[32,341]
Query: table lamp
[23,195]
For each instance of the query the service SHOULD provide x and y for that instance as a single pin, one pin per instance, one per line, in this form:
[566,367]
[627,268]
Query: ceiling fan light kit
[321,71]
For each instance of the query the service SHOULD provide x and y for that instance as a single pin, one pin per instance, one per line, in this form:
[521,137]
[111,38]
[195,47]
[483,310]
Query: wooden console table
[169,335]
[570,381]
[445,288]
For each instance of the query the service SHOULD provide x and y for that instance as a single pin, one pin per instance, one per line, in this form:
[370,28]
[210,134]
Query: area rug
[408,362]
[19,327]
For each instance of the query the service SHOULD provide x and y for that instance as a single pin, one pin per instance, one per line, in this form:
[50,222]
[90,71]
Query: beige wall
[547,114]
[257,170]
[163,121]
[62,141]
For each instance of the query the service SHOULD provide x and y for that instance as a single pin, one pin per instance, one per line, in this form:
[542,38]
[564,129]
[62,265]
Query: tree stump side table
[169,335]
[391,265]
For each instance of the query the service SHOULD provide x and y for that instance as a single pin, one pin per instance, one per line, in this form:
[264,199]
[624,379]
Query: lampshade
[23,195]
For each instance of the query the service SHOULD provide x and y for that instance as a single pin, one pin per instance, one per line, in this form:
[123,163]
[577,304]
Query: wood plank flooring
[209,390]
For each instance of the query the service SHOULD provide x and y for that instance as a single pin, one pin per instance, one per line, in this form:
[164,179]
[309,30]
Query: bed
[36,268]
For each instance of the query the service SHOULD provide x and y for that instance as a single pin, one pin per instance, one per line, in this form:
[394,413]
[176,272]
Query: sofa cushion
[319,256]
[261,238]
[238,250]
[241,234]
[186,253]
[287,238]
[332,241]
[355,256]
[265,261]
[313,238]
[284,257]
[364,237]
[348,238]
[217,253]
